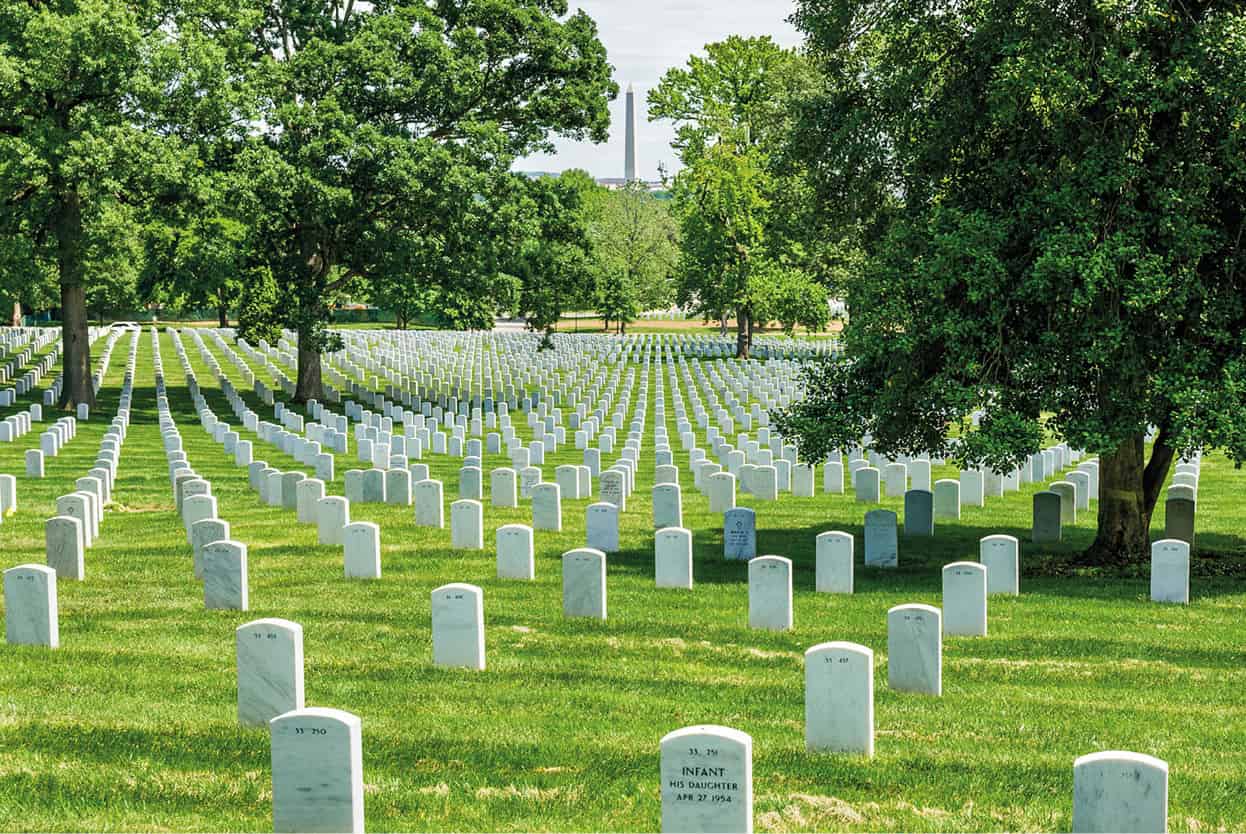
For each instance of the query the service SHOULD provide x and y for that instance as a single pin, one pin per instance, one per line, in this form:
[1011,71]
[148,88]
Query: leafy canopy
[1051,203]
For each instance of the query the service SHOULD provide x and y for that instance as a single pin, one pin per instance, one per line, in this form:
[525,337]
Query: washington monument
[629,155]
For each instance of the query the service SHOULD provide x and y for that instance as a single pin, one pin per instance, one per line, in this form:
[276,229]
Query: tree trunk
[222,313]
[76,363]
[17,314]
[1129,487]
[722,327]
[76,385]
[743,334]
[310,384]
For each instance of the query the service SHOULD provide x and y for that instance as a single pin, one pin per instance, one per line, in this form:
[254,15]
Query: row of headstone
[706,771]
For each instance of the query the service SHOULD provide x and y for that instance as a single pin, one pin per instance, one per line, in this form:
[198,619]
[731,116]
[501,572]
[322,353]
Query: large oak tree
[1052,202]
[388,133]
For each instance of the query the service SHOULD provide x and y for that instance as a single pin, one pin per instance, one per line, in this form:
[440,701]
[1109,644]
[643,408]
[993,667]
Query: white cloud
[643,39]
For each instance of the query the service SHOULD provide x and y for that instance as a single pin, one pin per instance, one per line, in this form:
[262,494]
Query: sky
[643,39]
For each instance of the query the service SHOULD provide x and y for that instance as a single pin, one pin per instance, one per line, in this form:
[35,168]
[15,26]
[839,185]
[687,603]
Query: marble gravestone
[667,506]
[467,525]
[515,552]
[30,606]
[458,626]
[672,557]
[269,656]
[225,575]
[915,649]
[706,774]
[1170,571]
[64,546]
[770,593]
[203,533]
[1179,520]
[972,492]
[999,554]
[602,525]
[429,506]
[614,488]
[896,479]
[739,534]
[398,487]
[918,513]
[721,491]
[361,544]
[833,571]
[317,771]
[881,539]
[547,507]
[332,516]
[584,583]
[1047,527]
[1068,500]
[947,499]
[308,494]
[839,698]
[833,478]
[503,487]
[964,599]
[1120,791]
[865,484]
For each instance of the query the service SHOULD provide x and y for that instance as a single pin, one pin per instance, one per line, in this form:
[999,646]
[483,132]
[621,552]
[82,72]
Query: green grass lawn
[131,723]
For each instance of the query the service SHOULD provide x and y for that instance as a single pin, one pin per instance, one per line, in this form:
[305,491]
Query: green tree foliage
[742,202]
[554,262]
[636,241]
[97,99]
[722,208]
[257,308]
[1051,200]
[389,132]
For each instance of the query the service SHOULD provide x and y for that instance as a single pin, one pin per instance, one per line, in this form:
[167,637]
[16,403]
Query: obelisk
[629,154]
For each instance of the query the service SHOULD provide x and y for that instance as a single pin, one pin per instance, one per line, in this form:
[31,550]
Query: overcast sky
[643,39]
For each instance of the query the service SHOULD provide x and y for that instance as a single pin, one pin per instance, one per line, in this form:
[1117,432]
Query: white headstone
[361,543]
[1120,791]
[515,553]
[839,698]
[459,626]
[270,669]
[1000,555]
[672,557]
[833,562]
[707,780]
[964,599]
[30,608]
[770,593]
[64,546]
[881,539]
[584,583]
[547,507]
[603,527]
[225,575]
[429,507]
[317,768]
[332,516]
[467,525]
[1170,571]
[667,506]
[915,649]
